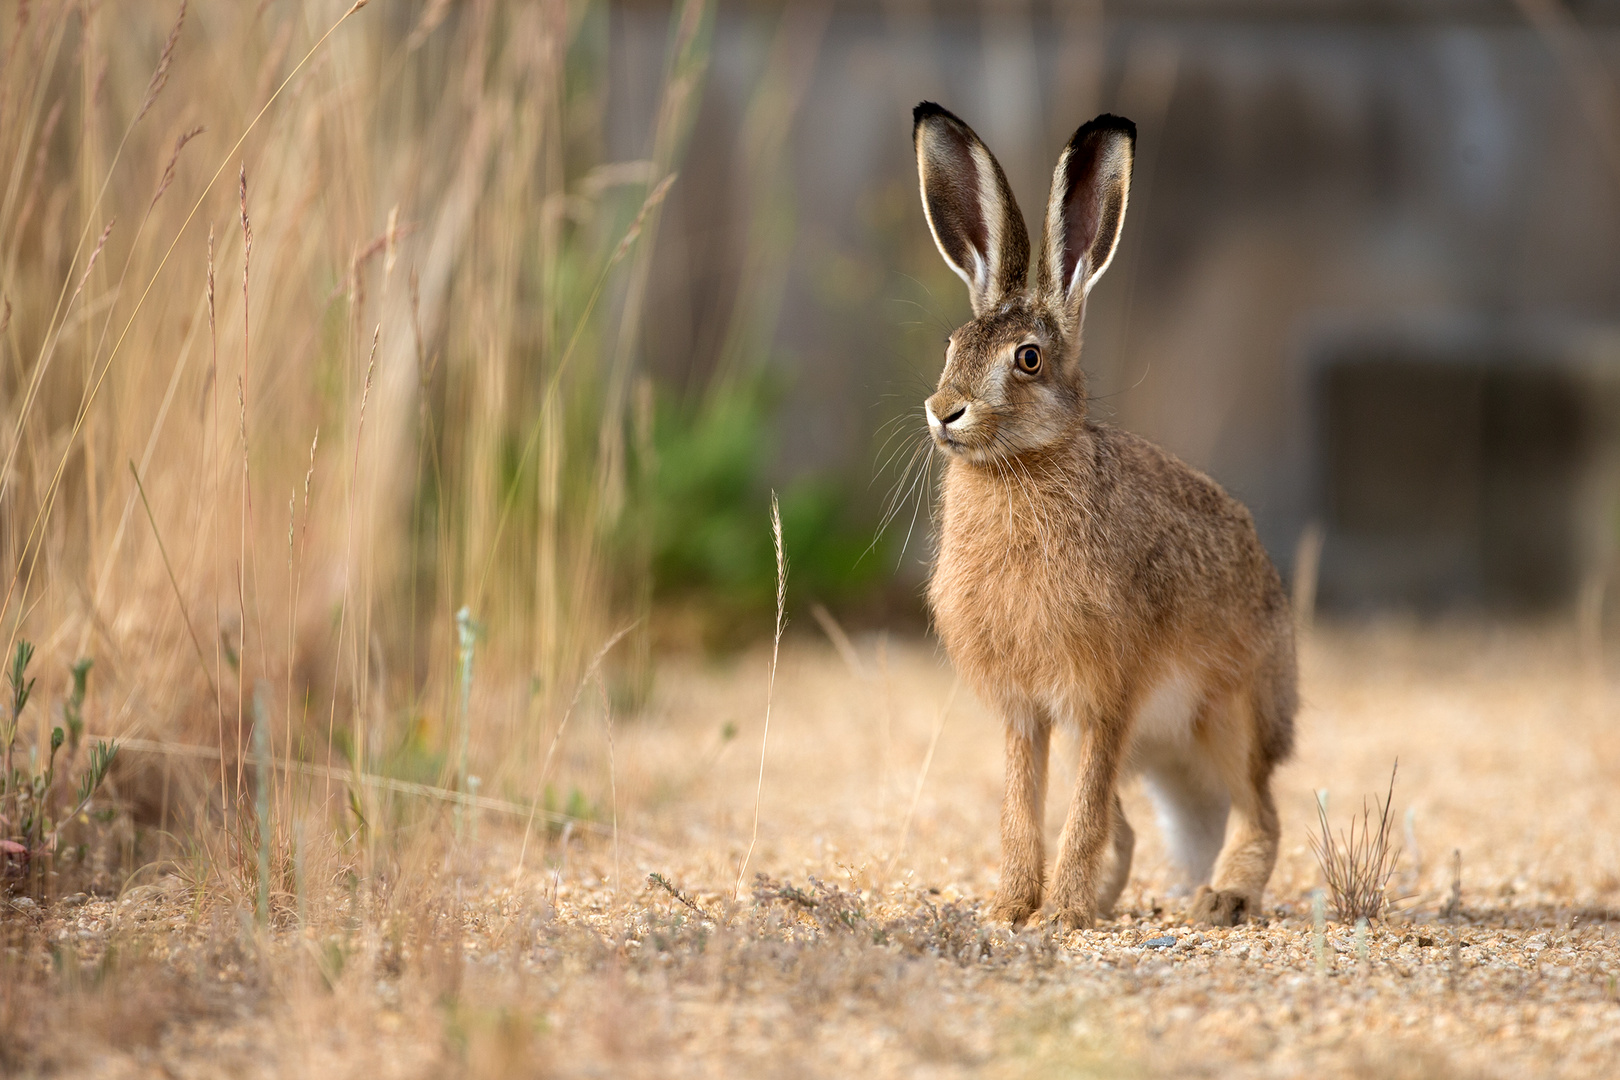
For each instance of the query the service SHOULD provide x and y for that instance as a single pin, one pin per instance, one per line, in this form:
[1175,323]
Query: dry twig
[680,895]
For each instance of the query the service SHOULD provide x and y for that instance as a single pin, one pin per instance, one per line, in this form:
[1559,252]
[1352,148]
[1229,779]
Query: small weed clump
[1357,865]
[33,793]
[951,930]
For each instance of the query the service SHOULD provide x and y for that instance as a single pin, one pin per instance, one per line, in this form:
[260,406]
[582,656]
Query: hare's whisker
[902,490]
[928,467]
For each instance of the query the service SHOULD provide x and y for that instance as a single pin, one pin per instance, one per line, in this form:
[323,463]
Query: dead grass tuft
[1357,865]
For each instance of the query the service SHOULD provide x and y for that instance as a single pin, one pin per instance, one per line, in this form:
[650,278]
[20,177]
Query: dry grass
[318,327]
[442,959]
[1357,865]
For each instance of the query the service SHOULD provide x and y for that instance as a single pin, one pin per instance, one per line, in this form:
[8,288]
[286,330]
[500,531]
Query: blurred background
[1367,279]
[385,364]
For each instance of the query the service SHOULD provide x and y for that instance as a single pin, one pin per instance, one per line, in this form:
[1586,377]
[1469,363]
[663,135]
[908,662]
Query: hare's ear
[1085,211]
[970,208]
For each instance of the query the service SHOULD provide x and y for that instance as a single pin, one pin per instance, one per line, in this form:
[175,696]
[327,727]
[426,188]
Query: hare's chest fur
[1024,608]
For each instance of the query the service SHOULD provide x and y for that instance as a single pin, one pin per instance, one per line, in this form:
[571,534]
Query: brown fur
[1086,576]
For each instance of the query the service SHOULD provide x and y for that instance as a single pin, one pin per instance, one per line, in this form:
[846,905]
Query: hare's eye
[1028,359]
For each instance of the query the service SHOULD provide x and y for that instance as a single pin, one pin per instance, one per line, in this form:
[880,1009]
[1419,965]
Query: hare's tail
[1275,700]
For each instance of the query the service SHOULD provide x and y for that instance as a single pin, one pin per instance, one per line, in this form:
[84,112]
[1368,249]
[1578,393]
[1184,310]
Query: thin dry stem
[770,686]
[348,560]
[922,775]
[95,255]
[393,785]
[213,518]
[160,77]
[167,176]
[613,779]
[562,726]
[169,568]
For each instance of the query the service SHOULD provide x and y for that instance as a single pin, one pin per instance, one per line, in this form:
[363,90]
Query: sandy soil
[862,952]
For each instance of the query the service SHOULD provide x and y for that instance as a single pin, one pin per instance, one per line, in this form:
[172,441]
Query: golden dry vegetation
[861,951]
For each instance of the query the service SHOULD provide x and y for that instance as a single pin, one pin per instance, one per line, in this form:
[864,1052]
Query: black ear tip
[1106,124]
[927,110]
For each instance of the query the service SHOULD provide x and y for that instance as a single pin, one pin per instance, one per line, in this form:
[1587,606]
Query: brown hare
[1084,575]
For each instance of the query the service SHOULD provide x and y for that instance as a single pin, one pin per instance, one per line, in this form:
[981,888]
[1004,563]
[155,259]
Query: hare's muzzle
[949,415]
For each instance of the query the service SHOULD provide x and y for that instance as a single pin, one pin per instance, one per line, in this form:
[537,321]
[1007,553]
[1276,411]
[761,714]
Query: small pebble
[1164,942]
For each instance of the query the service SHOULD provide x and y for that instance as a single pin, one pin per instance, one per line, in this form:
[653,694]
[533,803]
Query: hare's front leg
[1023,808]
[1089,828]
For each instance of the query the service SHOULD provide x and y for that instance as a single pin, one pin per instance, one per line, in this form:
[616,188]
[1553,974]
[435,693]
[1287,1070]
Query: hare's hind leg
[1023,817]
[1119,871]
[1243,758]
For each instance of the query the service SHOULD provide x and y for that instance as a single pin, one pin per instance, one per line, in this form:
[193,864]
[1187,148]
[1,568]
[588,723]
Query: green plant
[578,807]
[703,494]
[30,823]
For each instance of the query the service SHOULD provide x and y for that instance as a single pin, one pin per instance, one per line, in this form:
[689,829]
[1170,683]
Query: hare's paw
[1074,917]
[1222,907]
[1013,910]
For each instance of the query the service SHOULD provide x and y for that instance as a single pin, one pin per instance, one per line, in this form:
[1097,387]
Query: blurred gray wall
[1304,170]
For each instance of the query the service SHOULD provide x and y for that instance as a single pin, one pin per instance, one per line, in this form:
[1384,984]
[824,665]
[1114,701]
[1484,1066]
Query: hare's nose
[945,409]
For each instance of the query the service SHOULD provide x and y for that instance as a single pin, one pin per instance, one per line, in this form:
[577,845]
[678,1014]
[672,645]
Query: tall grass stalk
[770,686]
[263,780]
[557,735]
[357,747]
[163,552]
[466,639]
[613,779]
[922,776]
[1319,931]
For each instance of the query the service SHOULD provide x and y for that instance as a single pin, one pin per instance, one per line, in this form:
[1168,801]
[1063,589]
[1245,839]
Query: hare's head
[1012,381]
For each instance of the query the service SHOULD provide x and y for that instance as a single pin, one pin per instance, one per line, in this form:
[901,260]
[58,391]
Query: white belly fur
[1163,725]
[1189,797]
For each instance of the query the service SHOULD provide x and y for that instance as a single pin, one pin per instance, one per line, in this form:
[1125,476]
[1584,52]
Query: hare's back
[1185,550]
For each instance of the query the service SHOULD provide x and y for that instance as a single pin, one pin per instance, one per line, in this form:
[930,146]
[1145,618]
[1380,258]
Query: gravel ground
[862,951]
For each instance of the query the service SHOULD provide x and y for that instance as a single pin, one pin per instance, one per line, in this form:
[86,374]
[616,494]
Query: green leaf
[81,672]
[354,808]
[20,687]
[101,759]
[73,708]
